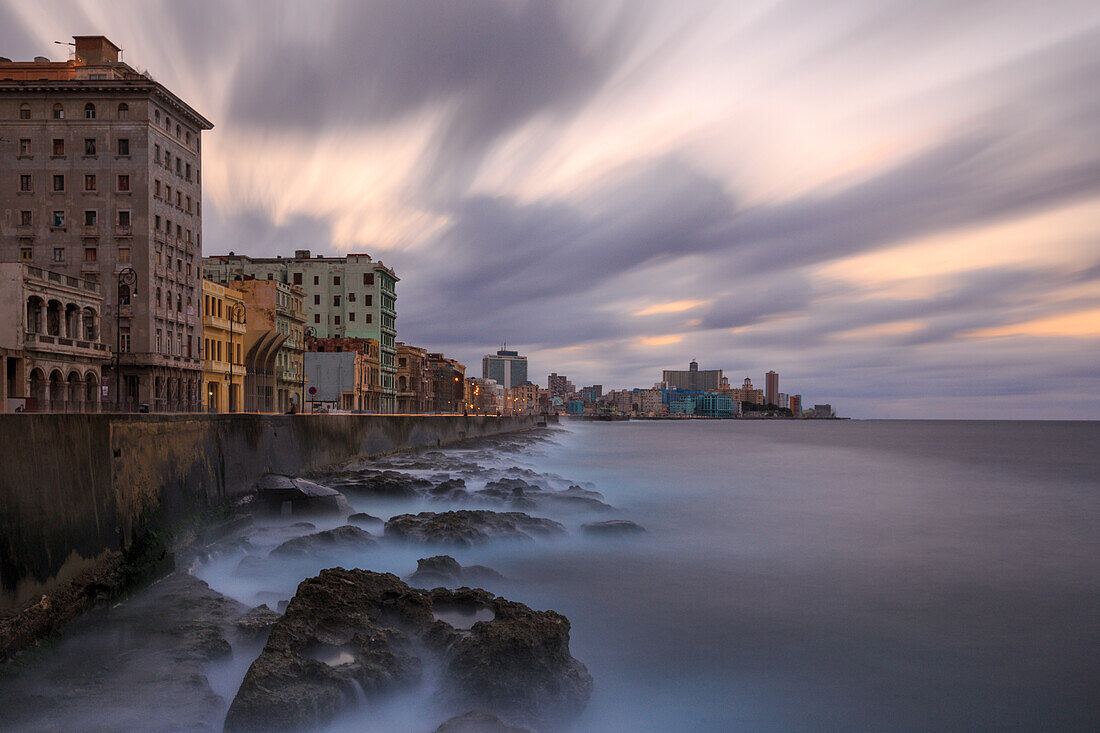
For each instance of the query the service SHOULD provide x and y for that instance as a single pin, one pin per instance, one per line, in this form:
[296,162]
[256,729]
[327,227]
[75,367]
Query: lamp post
[236,315]
[307,333]
[127,279]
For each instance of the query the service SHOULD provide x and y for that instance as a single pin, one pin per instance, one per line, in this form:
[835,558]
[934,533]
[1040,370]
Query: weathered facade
[103,175]
[274,343]
[448,383]
[415,393]
[50,327]
[223,330]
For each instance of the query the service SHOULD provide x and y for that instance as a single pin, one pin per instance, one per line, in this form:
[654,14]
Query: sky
[895,205]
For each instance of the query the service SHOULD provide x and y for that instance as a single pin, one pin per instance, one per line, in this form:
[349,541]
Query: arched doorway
[53,318]
[39,399]
[75,396]
[91,392]
[57,392]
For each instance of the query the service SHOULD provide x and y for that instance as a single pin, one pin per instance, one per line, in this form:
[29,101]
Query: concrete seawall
[76,488]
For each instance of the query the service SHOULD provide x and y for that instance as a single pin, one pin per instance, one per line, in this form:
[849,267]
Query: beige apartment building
[273,345]
[100,175]
[223,330]
[414,382]
[50,342]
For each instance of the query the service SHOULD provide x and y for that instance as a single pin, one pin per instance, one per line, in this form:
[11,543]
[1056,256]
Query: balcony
[64,345]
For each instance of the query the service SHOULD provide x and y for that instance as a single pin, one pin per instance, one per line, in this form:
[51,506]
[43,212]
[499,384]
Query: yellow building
[223,324]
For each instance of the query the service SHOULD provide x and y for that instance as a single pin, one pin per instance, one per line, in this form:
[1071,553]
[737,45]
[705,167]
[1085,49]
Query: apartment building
[100,180]
[344,297]
[274,344]
[223,330]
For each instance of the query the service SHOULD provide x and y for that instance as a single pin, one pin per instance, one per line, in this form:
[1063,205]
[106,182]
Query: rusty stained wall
[75,487]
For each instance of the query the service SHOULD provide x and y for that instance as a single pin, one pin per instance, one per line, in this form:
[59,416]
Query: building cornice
[112,86]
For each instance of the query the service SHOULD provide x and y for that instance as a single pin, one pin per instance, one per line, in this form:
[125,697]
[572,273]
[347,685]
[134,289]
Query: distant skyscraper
[771,388]
[555,385]
[709,379]
[508,368]
[796,405]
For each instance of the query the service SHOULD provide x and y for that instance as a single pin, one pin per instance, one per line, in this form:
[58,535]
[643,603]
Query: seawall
[76,489]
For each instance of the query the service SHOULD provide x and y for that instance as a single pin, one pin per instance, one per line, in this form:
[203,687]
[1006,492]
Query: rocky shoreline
[349,637]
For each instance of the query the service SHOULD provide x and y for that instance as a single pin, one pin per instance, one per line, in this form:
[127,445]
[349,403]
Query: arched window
[123,111]
[58,112]
[158,297]
[124,294]
[179,131]
[156,116]
[24,111]
[89,111]
[167,123]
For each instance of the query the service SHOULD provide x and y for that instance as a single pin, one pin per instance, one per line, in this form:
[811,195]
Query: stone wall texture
[74,488]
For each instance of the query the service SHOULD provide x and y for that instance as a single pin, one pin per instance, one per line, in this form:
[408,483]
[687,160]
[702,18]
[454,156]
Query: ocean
[794,575]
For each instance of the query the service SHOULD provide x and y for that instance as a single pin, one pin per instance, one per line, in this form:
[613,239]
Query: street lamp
[127,289]
[236,315]
[307,333]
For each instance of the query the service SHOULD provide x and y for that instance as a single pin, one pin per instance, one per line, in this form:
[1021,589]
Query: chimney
[95,50]
[301,254]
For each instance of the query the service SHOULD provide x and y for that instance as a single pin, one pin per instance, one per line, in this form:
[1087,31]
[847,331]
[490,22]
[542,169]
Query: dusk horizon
[892,206]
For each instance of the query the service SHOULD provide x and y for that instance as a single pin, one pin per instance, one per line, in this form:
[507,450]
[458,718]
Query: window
[187,173]
[123,111]
[336,280]
[351,316]
[89,181]
[24,111]
[25,146]
[189,242]
[179,199]
[179,131]
[156,222]
[124,146]
[167,123]
[25,254]
[156,116]
[188,204]
[89,111]
[336,300]
[124,335]
[89,254]
[316,280]
[317,300]
[336,320]
[158,297]
[366,318]
[179,231]
[59,218]
[59,182]
[351,297]
[123,254]
[168,193]
[26,218]
[89,146]
[156,153]
[25,183]
[297,278]
[156,189]
[123,182]
[270,276]
[187,137]
[58,112]
[58,254]
[179,166]
[58,146]
[316,317]
[158,341]
[368,278]
[368,300]
[90,218]
[124,219]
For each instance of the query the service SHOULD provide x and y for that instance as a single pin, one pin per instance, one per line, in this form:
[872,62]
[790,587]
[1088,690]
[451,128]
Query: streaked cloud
[893,204]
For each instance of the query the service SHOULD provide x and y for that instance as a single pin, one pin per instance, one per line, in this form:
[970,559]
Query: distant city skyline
[895,206]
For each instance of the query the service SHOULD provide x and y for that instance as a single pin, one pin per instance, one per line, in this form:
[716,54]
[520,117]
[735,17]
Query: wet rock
[444,570]
[348,633]
[465,528]
[362,519]
[477,722]
[324,544]
[450,490]
[257,621]
[393,484]
[613,528]
[278,494]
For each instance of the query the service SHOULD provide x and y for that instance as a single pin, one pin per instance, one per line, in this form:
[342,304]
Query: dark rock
[352,632]
[258,620]
[394,484]
[477,722]
[613,527]
[275,493]
[362,519]
[323,544]
[444,570]
[465,528]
